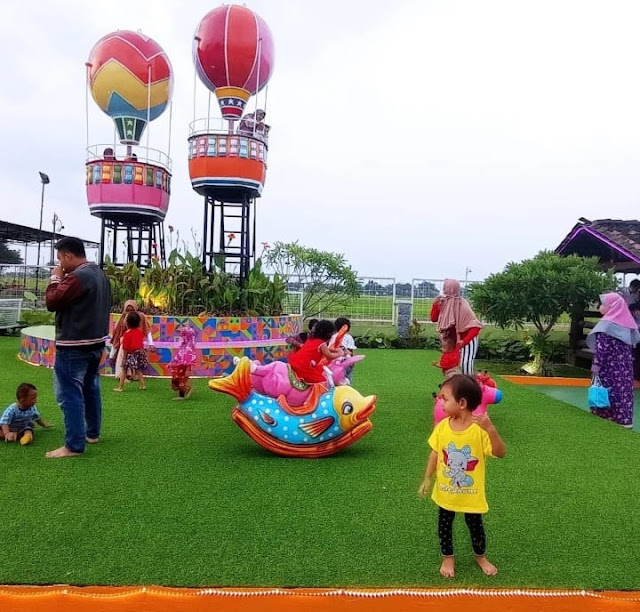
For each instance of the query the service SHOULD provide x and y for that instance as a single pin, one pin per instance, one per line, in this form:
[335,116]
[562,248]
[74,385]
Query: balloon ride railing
[122,184]
[144,155]
[219,155]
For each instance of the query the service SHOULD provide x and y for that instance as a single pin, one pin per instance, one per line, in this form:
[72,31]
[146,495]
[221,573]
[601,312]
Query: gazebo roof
[12,232]
[616,243]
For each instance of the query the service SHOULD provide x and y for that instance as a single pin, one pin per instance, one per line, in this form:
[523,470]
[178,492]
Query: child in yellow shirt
[460,445]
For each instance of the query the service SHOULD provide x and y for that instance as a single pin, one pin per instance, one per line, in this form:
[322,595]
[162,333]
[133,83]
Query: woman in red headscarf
[452,311]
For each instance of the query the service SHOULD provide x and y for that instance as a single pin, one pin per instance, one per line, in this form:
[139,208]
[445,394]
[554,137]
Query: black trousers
[445,532]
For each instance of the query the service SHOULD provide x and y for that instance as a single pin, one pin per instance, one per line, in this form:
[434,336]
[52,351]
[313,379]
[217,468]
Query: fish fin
[310,404]
[315,428]
[268,419]
[237,384]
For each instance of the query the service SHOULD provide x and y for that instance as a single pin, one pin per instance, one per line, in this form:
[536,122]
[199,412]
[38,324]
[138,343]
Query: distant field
[374,310]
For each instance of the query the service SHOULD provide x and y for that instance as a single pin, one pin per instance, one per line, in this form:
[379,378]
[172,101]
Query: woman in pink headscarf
[612,341]
[452,311]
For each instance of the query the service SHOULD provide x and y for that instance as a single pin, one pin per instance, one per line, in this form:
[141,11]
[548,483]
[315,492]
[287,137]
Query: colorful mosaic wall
[42,352]
[218,341]
[37,351]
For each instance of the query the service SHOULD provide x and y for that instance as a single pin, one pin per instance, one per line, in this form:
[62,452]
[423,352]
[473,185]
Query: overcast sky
[418,138]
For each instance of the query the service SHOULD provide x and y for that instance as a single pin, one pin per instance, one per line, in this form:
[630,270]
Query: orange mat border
[553,381]
[550,381]
[163,599]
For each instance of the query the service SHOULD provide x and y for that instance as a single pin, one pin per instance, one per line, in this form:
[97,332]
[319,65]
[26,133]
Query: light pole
[44,179]
[56,229]
[466,276]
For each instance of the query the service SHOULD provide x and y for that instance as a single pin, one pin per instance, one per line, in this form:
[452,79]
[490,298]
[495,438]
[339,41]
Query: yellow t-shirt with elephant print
[460,471]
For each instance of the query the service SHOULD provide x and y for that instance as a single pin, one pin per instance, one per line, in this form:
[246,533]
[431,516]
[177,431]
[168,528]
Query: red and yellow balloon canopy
[233,55]
[131,80]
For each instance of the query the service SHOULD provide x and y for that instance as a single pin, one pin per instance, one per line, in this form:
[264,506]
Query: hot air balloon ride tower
[233,57]
[129,185]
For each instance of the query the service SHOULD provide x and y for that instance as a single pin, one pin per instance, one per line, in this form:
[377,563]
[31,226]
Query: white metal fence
[293,303]
[376,304]
[17,279]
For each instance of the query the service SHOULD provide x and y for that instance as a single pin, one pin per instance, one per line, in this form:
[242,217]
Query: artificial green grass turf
[177,494]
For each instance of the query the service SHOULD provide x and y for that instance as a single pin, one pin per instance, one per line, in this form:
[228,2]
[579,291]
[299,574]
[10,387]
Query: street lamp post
[56,229]
[466,275]
[44,179]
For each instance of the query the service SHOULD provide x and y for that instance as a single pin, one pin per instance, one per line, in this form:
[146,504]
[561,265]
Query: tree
[539,291]
[373,288]
[403,290]
[326,278]
[9,256]
[426,289]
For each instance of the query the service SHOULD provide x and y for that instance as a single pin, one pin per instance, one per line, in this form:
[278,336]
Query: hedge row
[496,345]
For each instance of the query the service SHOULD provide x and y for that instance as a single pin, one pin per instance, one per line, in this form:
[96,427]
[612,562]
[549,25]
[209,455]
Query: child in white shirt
[348,343]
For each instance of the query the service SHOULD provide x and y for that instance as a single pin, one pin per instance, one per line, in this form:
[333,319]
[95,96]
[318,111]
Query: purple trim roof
[621,236]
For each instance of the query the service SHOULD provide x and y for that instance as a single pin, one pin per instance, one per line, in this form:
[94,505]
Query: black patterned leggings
[445,532]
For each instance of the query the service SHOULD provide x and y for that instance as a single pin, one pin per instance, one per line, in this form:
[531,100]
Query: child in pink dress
[182,363]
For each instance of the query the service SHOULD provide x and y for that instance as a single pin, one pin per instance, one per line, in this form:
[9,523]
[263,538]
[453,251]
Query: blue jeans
[76,385]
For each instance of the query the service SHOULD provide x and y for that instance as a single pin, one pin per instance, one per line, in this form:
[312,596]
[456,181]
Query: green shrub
[185,288]
[32,315]
[36,317]
[495,345]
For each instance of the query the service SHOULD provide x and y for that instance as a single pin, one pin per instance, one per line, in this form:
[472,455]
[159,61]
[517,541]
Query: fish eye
[347,408]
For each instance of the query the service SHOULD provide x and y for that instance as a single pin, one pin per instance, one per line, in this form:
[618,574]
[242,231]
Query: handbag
[598,396]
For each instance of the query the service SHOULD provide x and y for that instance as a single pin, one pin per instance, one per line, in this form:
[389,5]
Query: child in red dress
[450,361]
[306,361]
[135,355]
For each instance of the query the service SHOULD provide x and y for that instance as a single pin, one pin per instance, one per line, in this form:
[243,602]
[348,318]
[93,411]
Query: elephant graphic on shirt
[458,462]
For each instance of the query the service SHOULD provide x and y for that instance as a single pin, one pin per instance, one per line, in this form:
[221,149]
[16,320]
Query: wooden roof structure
[616,243]
[22,234]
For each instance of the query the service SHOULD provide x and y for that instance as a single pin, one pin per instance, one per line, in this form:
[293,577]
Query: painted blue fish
[326,423]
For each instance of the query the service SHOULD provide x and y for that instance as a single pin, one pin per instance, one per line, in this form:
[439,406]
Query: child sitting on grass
[135,358]
[460,445]
[18,419]
[450,360]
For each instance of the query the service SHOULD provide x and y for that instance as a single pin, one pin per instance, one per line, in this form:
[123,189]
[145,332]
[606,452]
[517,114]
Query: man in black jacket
[80,295]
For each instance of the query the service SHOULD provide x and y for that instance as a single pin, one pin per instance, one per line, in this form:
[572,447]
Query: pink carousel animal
[490,395]
[276,379]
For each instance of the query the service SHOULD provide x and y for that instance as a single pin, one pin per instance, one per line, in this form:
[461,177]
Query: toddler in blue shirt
[16,422]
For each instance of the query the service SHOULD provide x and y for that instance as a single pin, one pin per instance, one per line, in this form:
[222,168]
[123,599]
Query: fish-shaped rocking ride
[327,422]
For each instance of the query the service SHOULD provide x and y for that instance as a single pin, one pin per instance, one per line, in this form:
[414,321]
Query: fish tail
[237,384]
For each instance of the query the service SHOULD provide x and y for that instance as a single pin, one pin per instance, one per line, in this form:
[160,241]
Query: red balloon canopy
[233,55]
